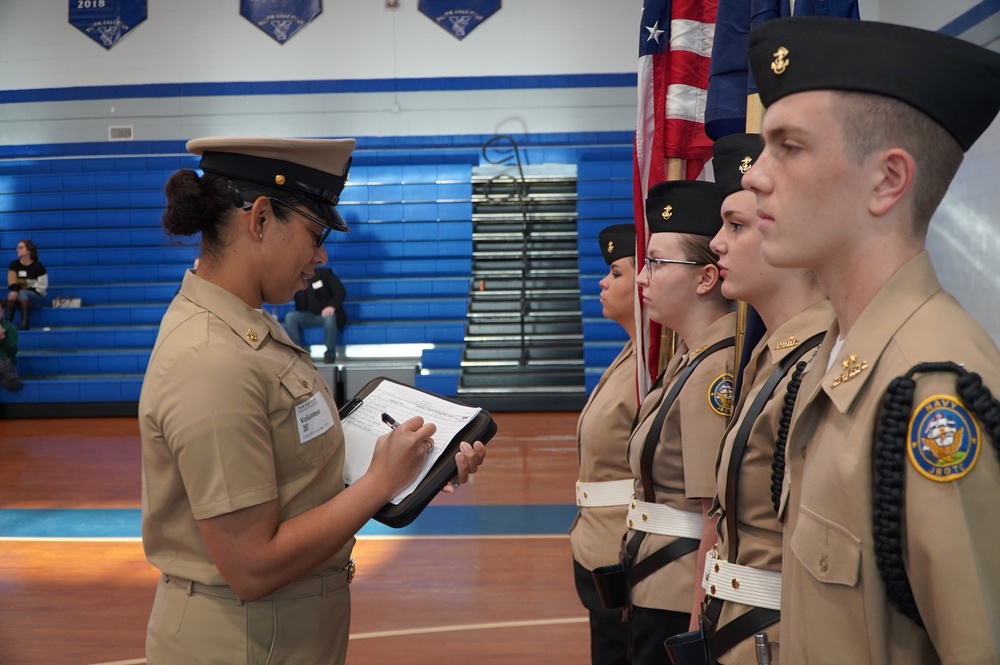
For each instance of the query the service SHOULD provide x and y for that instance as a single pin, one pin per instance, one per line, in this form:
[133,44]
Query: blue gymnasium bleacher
[96,222]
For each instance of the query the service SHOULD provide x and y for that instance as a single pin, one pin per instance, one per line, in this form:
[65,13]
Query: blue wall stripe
[973,17]
[575,140]
[219,89]
[552,519]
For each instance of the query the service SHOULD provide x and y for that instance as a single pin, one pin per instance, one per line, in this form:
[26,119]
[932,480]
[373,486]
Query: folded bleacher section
[406,264]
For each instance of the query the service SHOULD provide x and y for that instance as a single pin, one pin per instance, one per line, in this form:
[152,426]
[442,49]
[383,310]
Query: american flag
[675,47]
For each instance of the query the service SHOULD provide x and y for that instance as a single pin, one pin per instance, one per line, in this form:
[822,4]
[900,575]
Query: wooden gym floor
[484,575]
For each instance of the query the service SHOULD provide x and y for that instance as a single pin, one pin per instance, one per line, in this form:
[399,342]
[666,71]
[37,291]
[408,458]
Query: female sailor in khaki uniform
[604,487]
[244,506]
[742,574]
[673,448]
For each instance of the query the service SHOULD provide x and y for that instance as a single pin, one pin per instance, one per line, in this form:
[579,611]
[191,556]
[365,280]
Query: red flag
[675,47]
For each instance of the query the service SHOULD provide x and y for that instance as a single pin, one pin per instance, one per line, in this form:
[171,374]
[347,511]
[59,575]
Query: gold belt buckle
[349,567]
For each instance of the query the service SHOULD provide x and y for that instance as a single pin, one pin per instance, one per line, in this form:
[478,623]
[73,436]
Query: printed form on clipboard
[363,426]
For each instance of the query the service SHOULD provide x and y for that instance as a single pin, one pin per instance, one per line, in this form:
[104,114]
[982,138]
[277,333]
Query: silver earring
[260,235]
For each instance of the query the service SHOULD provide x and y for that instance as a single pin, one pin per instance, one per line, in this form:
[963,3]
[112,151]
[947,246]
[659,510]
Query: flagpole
[675,168]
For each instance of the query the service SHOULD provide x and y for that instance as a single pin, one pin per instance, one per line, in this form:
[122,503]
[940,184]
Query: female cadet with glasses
[605,482]
[675,443]
[796,314]
[244,506]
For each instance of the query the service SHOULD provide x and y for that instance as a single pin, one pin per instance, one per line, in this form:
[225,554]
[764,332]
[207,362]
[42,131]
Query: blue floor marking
[434,521]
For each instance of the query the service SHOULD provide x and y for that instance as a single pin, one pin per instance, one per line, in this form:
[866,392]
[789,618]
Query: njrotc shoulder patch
[944,438]
[720,395]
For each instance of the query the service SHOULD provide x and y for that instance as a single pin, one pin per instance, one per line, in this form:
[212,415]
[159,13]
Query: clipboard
[482,427]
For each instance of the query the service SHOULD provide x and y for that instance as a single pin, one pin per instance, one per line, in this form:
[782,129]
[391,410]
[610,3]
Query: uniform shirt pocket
[827,550]
[299,383]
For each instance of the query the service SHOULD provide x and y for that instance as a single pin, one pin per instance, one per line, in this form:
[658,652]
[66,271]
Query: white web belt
[607,493]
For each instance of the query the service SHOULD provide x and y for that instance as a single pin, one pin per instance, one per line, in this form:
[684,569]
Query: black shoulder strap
[653,435]
[743,436]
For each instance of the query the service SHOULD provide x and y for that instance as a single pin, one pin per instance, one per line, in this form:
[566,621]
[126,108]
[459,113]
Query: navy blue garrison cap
[954,82]
[684,206]
[617,242]
[732,156]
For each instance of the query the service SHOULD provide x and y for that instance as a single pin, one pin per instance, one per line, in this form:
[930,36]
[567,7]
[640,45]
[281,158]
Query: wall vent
[120,133]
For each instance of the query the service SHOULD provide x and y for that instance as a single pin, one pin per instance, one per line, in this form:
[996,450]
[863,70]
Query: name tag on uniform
[313,417]
[22,273]
[318,284]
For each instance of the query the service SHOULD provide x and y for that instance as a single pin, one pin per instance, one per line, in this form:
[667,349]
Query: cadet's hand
[467,459]
[399,455]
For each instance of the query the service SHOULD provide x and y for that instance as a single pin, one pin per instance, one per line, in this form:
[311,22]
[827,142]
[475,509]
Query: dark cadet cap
[954,82]
[617,242]
[732,156]
[312,170]
[684,206]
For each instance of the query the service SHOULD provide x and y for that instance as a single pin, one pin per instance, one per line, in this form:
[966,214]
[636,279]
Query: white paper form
[364,425]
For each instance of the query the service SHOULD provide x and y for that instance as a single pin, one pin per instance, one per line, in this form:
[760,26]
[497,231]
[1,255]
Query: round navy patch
[943,438]
[720,395]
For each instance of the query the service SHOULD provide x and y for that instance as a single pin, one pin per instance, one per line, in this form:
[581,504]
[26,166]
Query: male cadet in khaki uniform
[604,488]
[895,560]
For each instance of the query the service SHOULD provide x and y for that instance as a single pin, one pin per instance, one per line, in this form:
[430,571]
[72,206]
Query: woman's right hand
[399,455]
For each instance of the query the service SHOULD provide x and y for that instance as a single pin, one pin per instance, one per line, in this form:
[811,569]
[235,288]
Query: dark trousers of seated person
[648,629]
[608,633]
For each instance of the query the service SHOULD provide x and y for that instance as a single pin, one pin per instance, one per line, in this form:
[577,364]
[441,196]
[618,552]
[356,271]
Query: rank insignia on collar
[943,441]
[695,352]
[251,335]
[720,395]
[852,367]
[787,344]
[780,63]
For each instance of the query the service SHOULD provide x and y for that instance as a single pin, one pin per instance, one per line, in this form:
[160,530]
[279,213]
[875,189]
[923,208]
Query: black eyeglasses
[243,205]
[650,261]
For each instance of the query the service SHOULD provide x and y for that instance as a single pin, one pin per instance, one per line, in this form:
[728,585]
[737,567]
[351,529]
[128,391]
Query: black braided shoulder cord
[979,398]
[778,465]
[889,470]
[887,494]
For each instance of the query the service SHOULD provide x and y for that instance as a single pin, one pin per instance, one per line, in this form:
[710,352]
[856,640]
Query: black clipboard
[481,428]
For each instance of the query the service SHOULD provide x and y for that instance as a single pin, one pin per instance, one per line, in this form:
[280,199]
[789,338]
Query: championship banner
[281,19]
[458,17]
[106,21]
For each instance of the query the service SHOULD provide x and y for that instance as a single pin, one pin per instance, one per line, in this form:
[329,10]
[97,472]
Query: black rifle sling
[743,437]
[646,465]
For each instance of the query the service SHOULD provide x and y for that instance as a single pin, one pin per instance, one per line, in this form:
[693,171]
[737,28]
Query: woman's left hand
[467,459]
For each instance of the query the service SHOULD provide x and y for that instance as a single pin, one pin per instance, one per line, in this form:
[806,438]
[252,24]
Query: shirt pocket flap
[297,379]
[827,550]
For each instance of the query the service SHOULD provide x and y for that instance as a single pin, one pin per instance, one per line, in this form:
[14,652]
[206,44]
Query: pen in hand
[389,420]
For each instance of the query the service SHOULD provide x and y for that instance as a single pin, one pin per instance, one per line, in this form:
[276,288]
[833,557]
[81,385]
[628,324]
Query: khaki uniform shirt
[684,463]
[602,434]
[757,524]
[219,428]
[834,605]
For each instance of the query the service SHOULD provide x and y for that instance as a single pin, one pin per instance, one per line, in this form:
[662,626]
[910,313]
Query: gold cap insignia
[279,179]
[668,212]
[745,164]
[611,246]
[780,63]
[251,334]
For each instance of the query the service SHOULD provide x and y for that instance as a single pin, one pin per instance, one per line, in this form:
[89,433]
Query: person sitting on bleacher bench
[319,304]
[27,282]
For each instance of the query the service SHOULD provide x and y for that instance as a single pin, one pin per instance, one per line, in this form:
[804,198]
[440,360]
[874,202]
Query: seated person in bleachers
[319,304]
[8,350]
[27,282]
